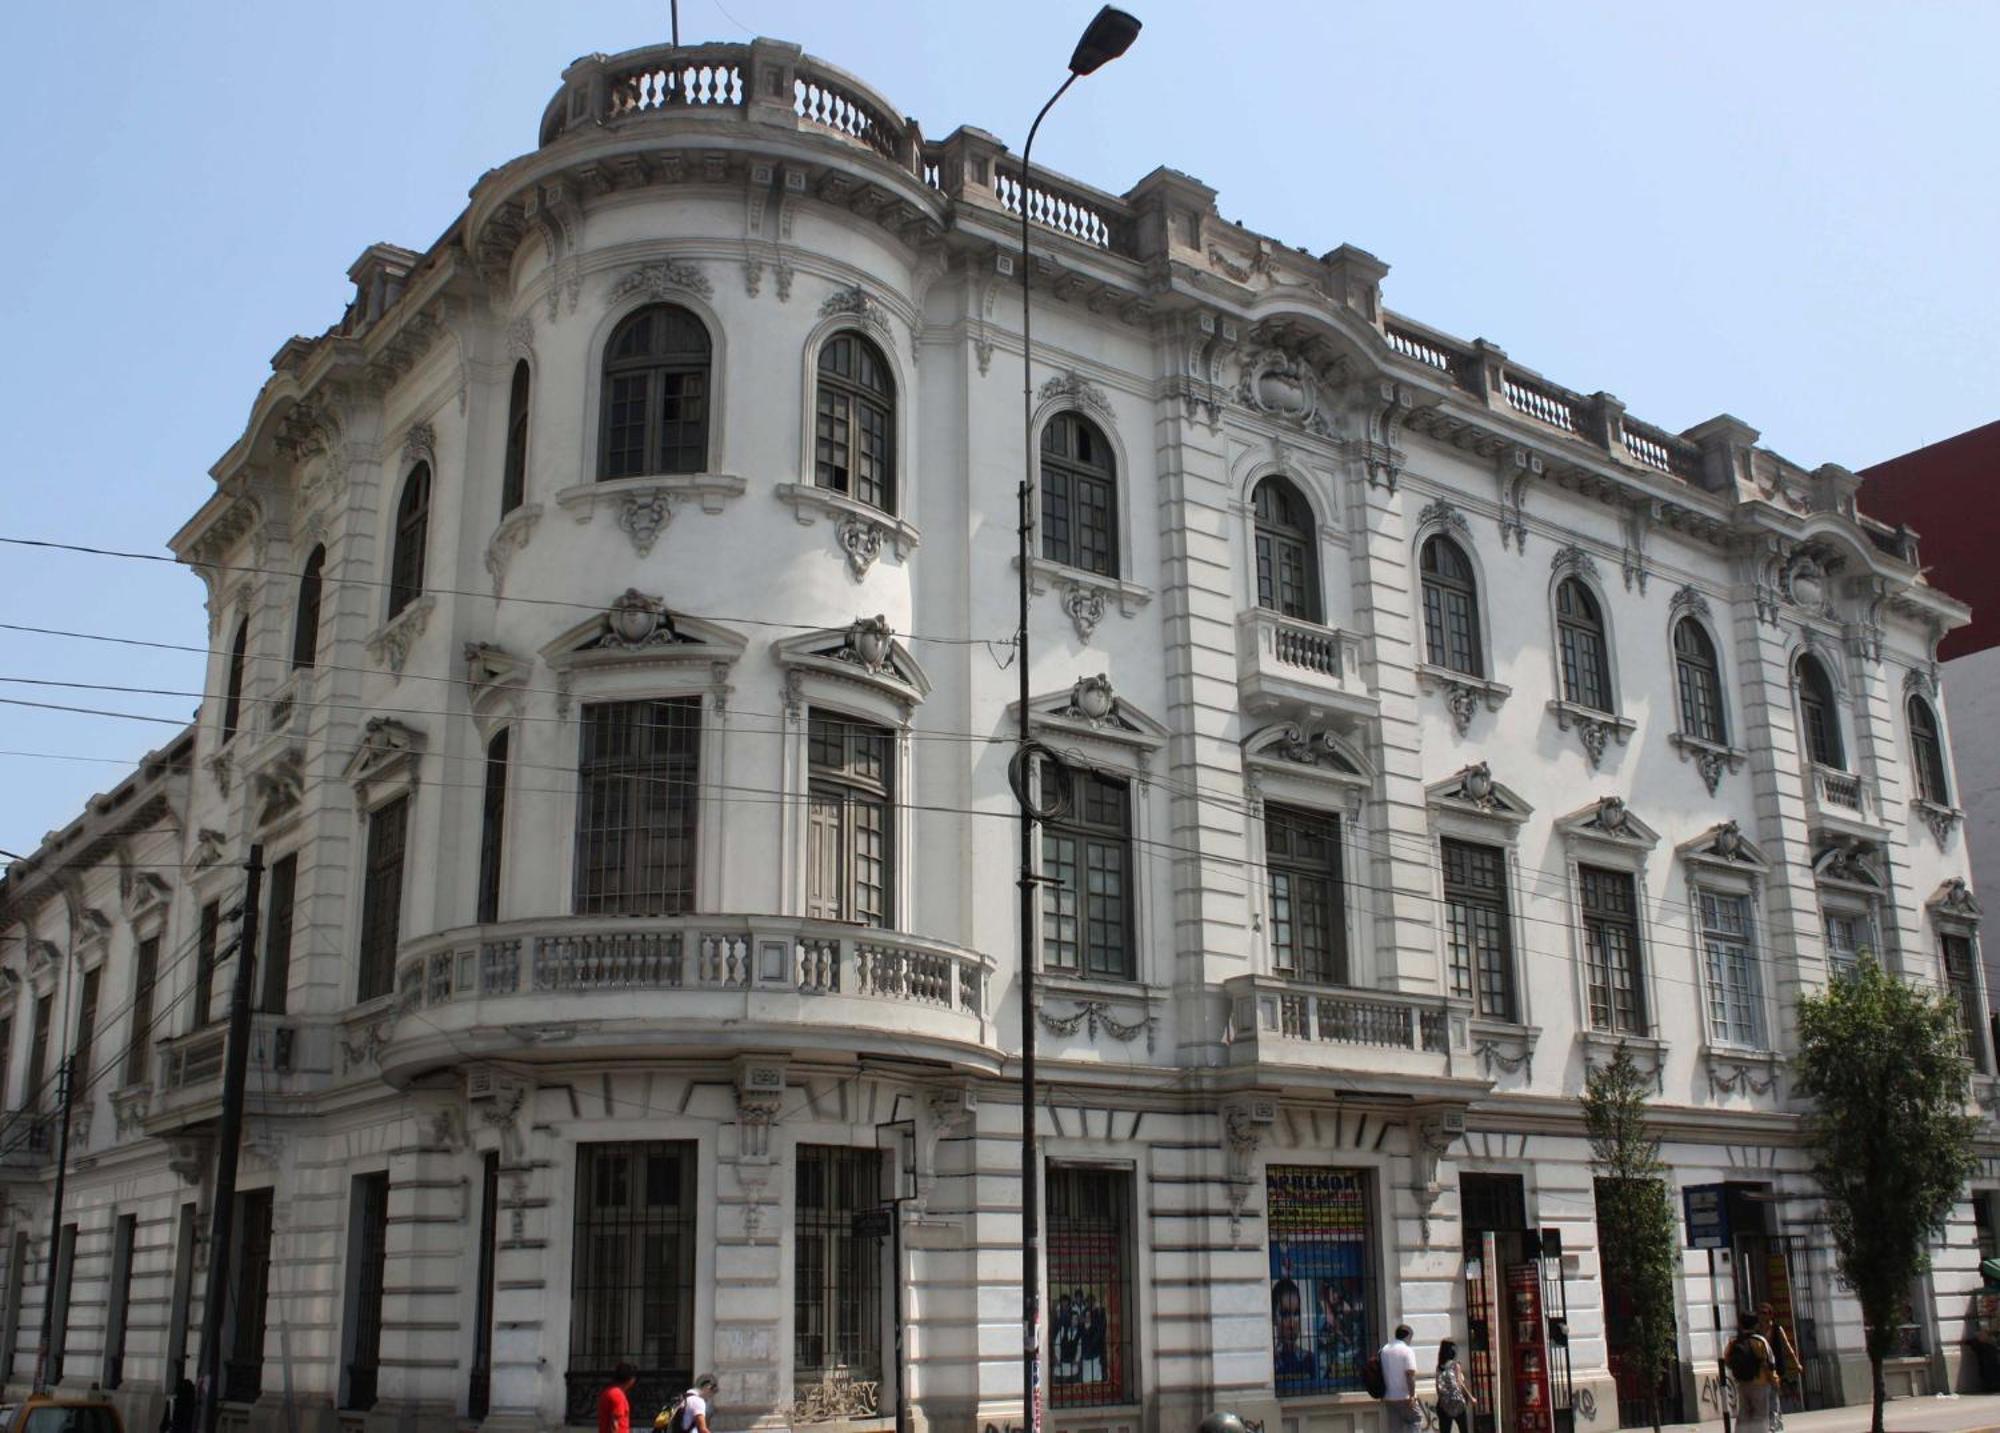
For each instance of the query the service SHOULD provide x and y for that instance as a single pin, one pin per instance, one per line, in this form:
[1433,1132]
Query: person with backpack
[1751,1367]
[1397,1363]
[690,1413]
[1786,1357]
[1455,1400]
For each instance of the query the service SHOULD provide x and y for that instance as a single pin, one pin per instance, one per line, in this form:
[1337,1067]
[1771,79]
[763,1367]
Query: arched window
[1287,575]
[1451,608]
[1586,658]
[413,523]
[514,467]
[1699,675]
[1079,496]
[854,424]
[1927,753]
[305,623]
[1817,715]
[232,698]
[655,395]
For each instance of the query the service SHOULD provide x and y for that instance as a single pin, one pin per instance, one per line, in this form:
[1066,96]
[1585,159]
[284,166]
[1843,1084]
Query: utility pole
[229,1143]
[66,1083]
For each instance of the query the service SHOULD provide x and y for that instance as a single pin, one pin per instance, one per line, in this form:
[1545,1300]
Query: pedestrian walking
[1785,1354]
[690,1415]
[1399,1377]
[1751,1369]
[614,1405]
[1455,1400]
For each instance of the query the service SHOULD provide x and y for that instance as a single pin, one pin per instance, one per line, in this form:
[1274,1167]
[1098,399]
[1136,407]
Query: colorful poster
[1531,1369]
[1320,1315]
[1087,1318]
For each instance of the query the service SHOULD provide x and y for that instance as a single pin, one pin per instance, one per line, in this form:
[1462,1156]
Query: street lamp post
[1108,36]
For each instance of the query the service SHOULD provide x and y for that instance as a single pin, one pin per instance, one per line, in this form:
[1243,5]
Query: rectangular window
[492,829]
[635,830]
[36,1096]
[124,1238]
[837,1270]
[1324,1310]
[367,1264]
[1077,520]
[382,897]
[850,819]
[1961,972]
[1729,958]
[145,976]
[1090,1288]
[1477,931]
[275,978]
[632,1272]
[1849,936]
[479,1387]
[243,1369]
[1611,949]
[1087,853]
[86,1026]
[204,963]
[1308,900]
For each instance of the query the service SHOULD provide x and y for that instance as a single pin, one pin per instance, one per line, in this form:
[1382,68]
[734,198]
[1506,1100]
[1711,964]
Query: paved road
[1969,1413]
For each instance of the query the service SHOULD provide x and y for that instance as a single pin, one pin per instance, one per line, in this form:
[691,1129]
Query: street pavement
[1965,1413]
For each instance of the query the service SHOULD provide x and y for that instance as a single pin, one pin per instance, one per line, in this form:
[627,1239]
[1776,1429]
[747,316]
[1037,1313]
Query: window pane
[382,898]
[632,1272]
[1086,913]
[1478,937]
[837,1271]
[636,815]
[849,819]
[1308,899]
[1735,983]
[1611,942]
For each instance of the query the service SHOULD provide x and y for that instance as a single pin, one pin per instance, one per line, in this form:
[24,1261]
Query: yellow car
[46,1413]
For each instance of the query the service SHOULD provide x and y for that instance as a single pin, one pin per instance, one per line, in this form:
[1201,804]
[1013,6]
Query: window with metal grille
[514,464]
[86,1026]
[275,979]
[1451,608]
[1325,1311]
[492,828]
[632,1272]
[382,897]
[123,1239]
[1287,574]
[1079,495]
[1477,932]
[1087,855]
[38,1054]
[232,697]
[1091,1308]
[1735,977]
[854,425]
[1961,973]
[243,1370]
[145,976]
[1611,948]
[635,833]
[367,1265]
[1700,679]
[1849,936]
[1308,900]
[305,624]
[849,819]
[1816,713]
[1491,1203]
[1586,664]
[208,934]
[413,528]
[656,395]
[837,1272]
[1927,753]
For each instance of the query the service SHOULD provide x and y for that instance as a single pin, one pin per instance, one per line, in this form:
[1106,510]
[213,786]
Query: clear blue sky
[1786,211]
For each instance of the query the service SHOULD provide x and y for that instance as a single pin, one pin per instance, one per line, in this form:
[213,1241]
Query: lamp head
[1110,35]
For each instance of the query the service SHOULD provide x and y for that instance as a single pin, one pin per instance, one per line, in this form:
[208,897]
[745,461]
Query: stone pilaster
[751,1364]
[422,1374]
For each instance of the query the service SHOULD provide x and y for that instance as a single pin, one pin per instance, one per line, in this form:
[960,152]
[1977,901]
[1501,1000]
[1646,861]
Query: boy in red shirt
[614,1409]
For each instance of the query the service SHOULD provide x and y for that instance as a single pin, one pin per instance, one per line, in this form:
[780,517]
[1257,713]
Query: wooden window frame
[1092,838]
[1450,598]
[1280,534]
[1074,485]
[665,370]
[1584,648]
[412,539]
[842,796]
[1698,684]
[849,401]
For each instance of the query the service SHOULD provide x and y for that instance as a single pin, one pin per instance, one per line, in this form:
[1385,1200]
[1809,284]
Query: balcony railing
[1839,788]
[1287,657]
[1269,1009]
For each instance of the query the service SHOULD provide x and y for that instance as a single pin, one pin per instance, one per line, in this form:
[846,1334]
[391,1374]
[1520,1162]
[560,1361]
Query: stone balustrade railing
[1840,788]
[1273,1008]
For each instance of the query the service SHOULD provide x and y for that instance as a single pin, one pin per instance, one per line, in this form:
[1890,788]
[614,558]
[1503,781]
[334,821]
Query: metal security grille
[1477,932]
[1285,571]
[837,1274]
[1961,971]
[1091,1310]
[1735,987]
[381,898]
[635,837]
[1079,496]
[848,822]
[1451,608]
[1087,912]
[1700,681]
[655,395]
[1611,948]
[854,425]
[243,1370]
[1325,1309]
[369,1260]
[1580,628]
[1308,901]
[632,1279]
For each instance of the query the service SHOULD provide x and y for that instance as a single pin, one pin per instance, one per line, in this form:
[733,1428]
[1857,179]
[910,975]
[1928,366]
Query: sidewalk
[1966,1413]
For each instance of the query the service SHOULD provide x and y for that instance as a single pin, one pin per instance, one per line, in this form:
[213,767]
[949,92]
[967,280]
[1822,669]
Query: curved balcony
[559,986]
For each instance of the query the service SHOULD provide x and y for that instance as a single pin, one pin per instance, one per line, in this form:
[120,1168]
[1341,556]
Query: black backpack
[1372,1378]
[1746,1364]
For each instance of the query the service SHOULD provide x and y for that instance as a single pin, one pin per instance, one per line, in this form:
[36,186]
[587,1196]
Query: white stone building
[612,614]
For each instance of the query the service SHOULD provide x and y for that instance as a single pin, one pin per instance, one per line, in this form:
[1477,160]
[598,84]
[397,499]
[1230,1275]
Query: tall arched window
[413,523]
[305,623]
[1817,715]
[232,697]
[1927,753]
[1586,656]
[1287,575]
[1699,676]
[514,467]
[1079,496]
[1451,608]
[854,423]
[655,395]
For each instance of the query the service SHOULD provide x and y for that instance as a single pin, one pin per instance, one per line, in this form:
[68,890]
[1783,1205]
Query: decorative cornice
[662,281]
[1073,388]
[1573,561]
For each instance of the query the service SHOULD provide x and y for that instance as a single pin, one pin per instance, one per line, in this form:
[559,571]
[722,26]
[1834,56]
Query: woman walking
[1454,1393]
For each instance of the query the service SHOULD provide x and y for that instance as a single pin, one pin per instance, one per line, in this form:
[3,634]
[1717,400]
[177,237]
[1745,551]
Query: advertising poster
[1319,1289]
[1086,1318]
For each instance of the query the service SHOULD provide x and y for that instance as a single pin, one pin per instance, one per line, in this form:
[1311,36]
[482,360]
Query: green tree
[1638,1236]
[1890,1140]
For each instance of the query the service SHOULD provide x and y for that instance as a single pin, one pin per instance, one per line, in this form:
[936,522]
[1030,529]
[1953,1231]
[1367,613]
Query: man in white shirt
[693,1417]
[1399,1377]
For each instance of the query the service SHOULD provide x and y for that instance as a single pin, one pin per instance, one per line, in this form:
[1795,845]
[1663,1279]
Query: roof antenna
[674,7]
